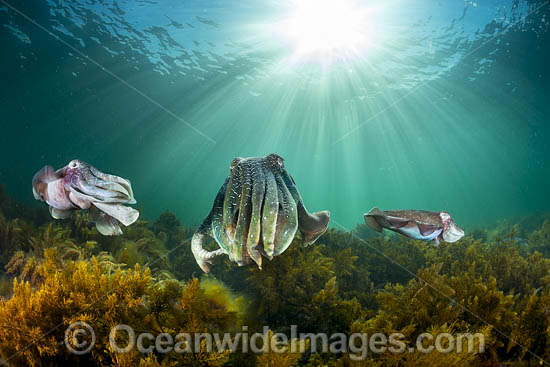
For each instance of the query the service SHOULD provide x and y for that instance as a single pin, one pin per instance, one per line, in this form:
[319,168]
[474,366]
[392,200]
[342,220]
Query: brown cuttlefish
[417,224]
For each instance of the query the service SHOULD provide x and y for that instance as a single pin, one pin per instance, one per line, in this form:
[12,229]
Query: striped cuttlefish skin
[256,213]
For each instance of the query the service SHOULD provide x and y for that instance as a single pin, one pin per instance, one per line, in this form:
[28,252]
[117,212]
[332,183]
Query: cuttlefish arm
[104,223]
[215,219]
[287,218]
[114,183]
[240,249]
[80,200]
[269,214]
[94,189]
[59,213]
[211,226]
[255,230]
[231,204]
[124,214]
[89,184]
[311,225]
[451,232]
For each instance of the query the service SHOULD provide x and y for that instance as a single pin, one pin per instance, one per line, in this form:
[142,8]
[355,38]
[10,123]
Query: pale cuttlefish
[257,212]
[79,185]
[417,224]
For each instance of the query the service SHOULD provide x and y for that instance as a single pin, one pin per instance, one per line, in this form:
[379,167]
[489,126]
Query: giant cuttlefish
[417,224]
[256,212]
[81,186]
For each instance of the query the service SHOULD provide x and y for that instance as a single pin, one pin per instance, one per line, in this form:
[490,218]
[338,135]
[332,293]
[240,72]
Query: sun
[326,29]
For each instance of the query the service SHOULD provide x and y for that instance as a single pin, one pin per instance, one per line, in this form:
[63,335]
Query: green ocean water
[397,104]
[446,109]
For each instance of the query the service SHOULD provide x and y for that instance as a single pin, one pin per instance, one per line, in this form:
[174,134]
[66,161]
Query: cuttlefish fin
[375,211]
[124,214]
[41,179]
[203,257]
[60,214]
[370,219]
[312,225]
[48,174]
[105,224]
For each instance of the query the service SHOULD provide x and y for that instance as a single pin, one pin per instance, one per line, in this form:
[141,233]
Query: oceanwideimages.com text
[80,339]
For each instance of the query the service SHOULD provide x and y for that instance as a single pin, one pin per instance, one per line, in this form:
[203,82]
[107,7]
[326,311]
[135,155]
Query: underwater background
[445,105]
[446,108]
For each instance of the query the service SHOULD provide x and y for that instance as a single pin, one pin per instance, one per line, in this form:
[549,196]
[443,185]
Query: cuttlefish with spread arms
[417,224]
[79,185]
[256,214]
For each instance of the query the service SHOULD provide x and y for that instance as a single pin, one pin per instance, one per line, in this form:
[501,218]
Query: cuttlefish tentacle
[254,233]
[312,225]
[240,253]
[269,214]
[287,218]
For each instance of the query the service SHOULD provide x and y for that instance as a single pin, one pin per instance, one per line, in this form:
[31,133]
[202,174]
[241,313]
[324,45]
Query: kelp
[11,237]
[33,321]
[281,353]
[299,287]
[539,240]
[495,281]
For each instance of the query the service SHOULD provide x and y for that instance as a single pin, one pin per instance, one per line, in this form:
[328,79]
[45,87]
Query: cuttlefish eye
[73,164]
[444,216]
[275,161]
[235,162]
